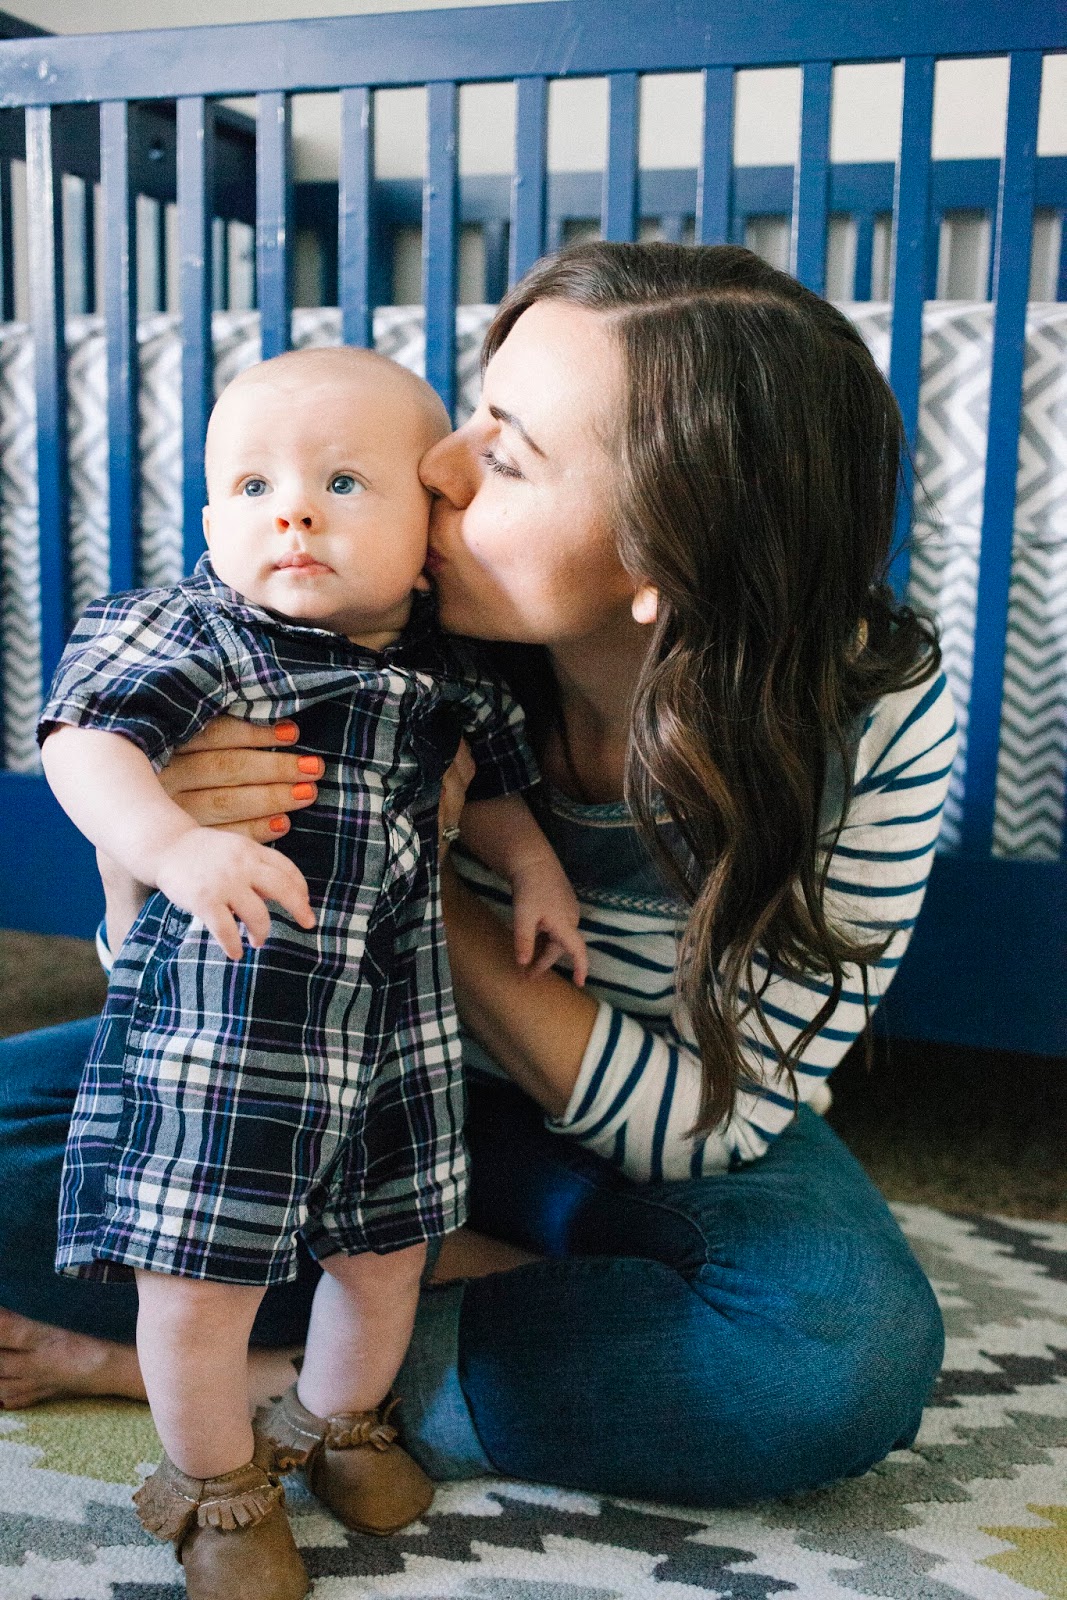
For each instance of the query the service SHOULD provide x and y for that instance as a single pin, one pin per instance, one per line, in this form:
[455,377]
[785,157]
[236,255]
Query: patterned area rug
[977,1508]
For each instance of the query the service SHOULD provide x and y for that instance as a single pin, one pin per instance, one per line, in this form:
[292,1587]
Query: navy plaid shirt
[313,1087]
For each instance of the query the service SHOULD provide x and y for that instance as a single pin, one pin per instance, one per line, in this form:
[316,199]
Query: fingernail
[308,764]
[303,791]
[286,732]
[278,824]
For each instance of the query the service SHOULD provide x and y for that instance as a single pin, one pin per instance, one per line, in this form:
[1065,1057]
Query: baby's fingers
[524,930]
[574,946]
[248,904]
[221,925]
[549,954]
[280,880]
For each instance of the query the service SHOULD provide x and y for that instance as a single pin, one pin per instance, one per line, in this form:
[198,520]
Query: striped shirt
[638,1089]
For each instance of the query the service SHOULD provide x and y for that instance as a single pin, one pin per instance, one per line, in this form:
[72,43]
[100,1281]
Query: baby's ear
[206,516]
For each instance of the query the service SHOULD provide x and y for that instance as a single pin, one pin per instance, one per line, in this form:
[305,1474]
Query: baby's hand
[219,877]
[546,918]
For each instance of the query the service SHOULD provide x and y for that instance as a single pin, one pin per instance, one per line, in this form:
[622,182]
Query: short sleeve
[144,665]
[495,728]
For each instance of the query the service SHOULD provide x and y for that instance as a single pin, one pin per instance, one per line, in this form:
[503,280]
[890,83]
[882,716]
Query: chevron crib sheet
[950,458]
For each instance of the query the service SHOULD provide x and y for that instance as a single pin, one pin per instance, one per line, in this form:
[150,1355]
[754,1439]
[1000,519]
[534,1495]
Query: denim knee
[827,1397]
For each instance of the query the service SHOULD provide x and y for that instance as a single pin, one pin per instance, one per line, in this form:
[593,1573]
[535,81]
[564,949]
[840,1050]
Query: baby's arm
[503,834]
[110,791]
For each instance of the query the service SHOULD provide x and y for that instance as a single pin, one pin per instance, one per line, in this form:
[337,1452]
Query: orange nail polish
[278,824]
[286,732]
[303,791]
[308,764]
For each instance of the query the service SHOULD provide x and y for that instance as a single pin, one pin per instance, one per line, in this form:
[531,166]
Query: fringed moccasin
[230,1533]
[351,1462]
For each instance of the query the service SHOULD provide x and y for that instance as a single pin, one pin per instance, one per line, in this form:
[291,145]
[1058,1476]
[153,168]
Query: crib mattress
[954,408]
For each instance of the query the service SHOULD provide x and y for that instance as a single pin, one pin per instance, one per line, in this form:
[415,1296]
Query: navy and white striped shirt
[638,1090]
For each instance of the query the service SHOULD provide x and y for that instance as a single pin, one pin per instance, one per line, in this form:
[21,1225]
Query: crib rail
[668,207]
[46,82]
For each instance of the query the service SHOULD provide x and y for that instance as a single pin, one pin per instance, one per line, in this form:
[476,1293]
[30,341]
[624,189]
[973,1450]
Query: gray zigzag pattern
[950,458]
[1041,487]
[1033,735]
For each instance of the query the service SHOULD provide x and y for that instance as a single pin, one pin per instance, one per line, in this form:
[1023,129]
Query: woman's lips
[434,562]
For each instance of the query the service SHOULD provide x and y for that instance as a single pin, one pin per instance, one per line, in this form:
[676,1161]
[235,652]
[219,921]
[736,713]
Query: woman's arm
[636,1091]
[537,1028]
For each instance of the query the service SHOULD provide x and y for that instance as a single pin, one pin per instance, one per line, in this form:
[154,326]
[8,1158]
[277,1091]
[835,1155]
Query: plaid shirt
[312,1087]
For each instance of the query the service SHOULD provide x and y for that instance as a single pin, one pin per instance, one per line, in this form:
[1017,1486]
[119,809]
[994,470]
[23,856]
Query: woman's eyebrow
[511,421]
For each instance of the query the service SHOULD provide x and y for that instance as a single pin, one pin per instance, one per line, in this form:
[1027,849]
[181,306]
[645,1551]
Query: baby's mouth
[299,561]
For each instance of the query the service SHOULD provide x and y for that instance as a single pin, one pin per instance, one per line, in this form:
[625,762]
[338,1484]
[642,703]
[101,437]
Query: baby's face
[315,509]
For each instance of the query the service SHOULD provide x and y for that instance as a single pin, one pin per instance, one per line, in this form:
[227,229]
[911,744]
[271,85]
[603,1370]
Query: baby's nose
[294,519]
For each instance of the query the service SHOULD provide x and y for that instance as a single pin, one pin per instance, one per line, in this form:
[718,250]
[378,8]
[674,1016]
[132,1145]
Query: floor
[964,1130]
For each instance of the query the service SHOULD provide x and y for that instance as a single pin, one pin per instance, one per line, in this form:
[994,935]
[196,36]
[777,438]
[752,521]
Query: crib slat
[715,173]
[439,209]
[807,245]
[44,181]
[495,244]
[89,248]
[911,210]
[196,130]
[274,189]
[1011,274]
[120,320]
[355,222]
[162,268]
[529,189]
[618,210]
[861,277]
[225,266]
[7,247]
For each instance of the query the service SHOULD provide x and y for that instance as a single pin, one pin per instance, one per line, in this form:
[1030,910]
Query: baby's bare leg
[361,1322]
[192,1341]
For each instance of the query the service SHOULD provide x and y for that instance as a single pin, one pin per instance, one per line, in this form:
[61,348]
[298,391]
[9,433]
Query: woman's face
[521,544]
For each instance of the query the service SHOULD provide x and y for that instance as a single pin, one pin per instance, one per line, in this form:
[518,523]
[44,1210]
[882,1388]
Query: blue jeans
[707,1342]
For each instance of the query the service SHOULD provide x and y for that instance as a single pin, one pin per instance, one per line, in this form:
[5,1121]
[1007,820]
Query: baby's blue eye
[254,487]
[345,483]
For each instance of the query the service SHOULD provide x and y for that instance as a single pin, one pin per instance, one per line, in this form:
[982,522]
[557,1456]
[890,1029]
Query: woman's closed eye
[345,483]
[502,468]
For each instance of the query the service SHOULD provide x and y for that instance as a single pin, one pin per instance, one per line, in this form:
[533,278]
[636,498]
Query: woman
[674,504]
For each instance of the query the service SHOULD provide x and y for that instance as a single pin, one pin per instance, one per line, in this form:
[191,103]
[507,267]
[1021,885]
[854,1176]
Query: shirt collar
[207,585]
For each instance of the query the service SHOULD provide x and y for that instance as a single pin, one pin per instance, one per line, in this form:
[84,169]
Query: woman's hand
[454,786]
[233,775]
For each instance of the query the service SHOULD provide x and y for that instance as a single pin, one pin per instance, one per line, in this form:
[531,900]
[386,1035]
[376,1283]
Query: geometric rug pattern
[976,1508]
[947,538]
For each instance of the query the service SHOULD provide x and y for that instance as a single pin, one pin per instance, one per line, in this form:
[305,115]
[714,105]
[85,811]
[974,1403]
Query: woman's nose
[449,469]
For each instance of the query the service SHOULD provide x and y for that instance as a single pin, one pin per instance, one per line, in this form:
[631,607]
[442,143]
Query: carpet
[978,1506]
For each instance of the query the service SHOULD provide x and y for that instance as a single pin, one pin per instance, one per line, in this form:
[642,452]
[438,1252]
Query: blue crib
[987,964]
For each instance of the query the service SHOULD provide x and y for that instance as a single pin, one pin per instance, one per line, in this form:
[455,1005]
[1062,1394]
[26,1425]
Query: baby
[304,1082]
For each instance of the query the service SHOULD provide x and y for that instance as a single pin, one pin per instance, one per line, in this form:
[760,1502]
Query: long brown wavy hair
[760,452]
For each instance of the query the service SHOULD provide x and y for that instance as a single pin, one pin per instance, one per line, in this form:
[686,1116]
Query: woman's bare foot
[39,1362]
[466,1254]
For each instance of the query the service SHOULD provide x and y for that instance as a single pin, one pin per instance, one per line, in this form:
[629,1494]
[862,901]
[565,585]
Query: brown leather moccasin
[230,1533]
[351,1461]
